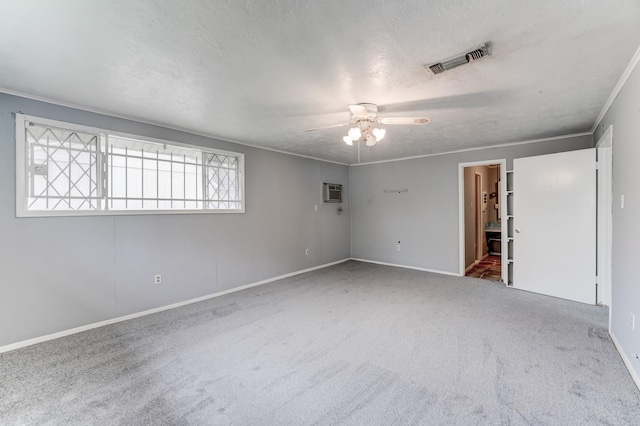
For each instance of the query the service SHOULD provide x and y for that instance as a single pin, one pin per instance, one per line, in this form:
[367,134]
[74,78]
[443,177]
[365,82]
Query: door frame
[503,213]
[604,149]
[479,246]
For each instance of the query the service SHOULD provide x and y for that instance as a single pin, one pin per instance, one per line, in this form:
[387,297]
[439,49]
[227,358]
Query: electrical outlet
[306,252]
[398,246]
[315,207]
[633,322]
[158,279]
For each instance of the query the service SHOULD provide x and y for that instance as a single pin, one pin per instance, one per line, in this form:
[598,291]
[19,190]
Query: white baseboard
[57,335]
[627,361]
[435,271]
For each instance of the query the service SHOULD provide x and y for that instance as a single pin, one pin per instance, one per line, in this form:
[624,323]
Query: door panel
[555,224]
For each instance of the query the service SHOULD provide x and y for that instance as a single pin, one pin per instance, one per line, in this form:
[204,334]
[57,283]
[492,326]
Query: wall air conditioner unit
[331,193]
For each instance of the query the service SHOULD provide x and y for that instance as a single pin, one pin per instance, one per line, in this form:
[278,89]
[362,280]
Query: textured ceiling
[261,72]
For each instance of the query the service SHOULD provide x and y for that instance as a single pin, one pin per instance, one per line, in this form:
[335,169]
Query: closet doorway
[481,224]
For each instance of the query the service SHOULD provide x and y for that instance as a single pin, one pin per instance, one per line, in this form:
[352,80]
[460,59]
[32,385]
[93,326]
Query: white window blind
[67,169]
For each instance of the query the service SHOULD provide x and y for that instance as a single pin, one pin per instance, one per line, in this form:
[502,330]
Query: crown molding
[155,123]
[480,148]
[618,87]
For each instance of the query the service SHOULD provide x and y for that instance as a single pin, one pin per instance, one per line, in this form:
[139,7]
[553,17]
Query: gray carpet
[350,344]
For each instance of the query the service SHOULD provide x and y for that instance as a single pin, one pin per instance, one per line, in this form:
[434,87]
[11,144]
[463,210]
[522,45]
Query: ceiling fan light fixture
[355,133]
[363,117]
[379,133]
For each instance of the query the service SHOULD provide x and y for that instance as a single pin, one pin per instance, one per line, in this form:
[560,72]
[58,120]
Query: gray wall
[424,219]
[64,272]
[624,115]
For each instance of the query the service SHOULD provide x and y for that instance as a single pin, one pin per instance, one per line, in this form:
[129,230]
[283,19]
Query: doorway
[482,199]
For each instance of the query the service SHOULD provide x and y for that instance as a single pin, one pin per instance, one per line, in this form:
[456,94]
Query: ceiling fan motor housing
[363,111]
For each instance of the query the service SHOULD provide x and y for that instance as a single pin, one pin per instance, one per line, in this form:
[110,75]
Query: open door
[555,225]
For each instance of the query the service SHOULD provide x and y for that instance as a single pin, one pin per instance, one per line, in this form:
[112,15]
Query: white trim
[604,147]
[21,167]
[52,336]
[350,217]
[85,213]
[154,123]
[616,90]
[606,140]
[626,360]
[477,214]
[503,214]
[479,148]
[504,222]
[435,271]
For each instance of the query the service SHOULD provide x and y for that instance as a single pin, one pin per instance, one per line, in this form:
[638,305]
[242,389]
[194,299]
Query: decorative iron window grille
[66,169]
[62,169]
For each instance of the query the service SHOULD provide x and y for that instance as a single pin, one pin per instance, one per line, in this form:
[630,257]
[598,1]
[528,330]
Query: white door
[554,213]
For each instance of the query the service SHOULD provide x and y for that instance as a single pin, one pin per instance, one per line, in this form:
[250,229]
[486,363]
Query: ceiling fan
[362,118]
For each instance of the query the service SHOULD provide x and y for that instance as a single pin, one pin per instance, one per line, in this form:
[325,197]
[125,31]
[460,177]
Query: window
[67,169]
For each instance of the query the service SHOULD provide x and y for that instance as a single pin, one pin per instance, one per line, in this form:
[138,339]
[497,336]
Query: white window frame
[22,168]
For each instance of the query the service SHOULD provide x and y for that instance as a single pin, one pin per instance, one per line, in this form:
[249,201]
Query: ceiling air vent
[480,52]
[464,58]
[437,68]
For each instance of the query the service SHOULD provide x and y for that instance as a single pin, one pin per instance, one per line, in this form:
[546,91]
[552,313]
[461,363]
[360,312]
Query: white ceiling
[261,72]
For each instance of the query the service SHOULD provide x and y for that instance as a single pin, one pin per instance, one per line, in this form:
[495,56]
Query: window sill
[22,214]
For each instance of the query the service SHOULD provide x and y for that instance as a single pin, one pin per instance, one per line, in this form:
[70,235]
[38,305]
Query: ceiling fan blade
[403,120]
[329,127]
[468,100]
